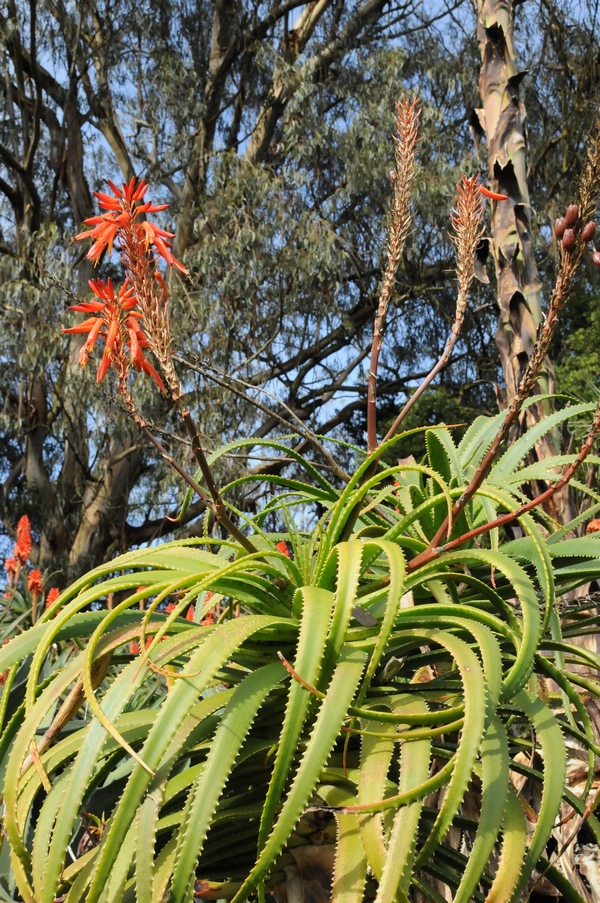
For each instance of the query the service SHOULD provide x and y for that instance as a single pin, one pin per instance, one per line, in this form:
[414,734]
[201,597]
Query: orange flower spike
[35,583]
[52,596]
[23,546]
[104,366]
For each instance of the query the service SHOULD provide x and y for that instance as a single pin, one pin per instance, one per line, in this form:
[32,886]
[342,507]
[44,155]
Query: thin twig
[295,423]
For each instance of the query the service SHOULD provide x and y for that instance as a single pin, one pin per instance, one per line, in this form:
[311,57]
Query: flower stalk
[402,178]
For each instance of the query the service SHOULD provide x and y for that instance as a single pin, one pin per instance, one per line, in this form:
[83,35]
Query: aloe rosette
[391,702]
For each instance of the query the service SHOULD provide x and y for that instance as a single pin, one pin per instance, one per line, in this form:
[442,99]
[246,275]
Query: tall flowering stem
[467,231]
[403,177]
[136,318]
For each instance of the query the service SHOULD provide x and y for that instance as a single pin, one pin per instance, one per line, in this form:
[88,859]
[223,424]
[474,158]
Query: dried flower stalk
[403,177]
[467,232]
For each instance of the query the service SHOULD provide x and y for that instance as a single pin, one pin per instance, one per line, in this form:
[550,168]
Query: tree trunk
[502,122]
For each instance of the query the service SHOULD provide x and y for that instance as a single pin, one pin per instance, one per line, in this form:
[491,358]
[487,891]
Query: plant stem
[434,551]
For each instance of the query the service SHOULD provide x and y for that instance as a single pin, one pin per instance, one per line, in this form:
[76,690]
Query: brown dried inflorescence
[402,179]
[467,231]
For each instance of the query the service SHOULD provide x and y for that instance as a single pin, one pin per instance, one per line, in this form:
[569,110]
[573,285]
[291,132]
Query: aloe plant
[352,685]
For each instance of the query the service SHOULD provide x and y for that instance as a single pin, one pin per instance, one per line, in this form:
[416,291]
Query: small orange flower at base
[11,567]
[35,583]
[283,548]
[593,526]
[51,598]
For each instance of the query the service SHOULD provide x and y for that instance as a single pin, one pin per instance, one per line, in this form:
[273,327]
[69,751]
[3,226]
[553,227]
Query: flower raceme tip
[116,323]
[121,217]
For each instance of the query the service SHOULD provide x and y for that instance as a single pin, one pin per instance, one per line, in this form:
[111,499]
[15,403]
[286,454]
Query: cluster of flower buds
[16,565]
[565,228]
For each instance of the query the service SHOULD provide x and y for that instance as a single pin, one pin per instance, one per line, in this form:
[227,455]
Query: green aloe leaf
[331,715]
[237,719]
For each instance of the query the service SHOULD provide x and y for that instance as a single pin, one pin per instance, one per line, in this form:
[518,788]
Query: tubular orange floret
[494,195]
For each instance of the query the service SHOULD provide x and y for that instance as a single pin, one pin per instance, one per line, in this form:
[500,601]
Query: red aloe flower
[140,243]
[116,323]
[22,549]
[35,583]
[123,210]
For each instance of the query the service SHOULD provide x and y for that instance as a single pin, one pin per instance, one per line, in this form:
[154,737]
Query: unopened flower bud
[587,233]
[393,176]
[568,240]
[572,214]
[559,226]
[596,258]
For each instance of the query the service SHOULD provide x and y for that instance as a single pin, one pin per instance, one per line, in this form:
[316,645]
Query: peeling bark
[502,120]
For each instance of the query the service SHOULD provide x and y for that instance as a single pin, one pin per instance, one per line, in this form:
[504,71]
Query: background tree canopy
[267,128]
